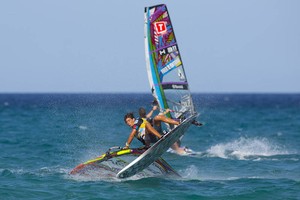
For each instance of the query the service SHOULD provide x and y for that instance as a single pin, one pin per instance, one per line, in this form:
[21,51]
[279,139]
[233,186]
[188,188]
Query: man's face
[129,121]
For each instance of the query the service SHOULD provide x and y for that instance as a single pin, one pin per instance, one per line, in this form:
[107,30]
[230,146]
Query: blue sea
[248,148]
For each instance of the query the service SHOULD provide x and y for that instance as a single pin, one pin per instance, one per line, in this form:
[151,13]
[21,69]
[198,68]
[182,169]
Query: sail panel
[165,69]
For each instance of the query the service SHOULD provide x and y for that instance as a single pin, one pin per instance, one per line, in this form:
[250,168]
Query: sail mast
[156,89]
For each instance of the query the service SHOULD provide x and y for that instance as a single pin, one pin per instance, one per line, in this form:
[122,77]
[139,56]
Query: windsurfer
[156,123]
[141,129]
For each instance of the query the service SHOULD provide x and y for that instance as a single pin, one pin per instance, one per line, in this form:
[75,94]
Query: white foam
[246,147]
[43,171]
[190,173]
[188,152]
[81,127]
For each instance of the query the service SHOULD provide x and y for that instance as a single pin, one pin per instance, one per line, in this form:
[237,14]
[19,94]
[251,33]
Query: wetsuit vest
[140,127]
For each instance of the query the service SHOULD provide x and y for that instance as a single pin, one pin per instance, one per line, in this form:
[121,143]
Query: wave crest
[244,148]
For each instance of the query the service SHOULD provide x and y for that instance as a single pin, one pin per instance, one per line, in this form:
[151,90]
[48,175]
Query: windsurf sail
[111,162]
[166,74]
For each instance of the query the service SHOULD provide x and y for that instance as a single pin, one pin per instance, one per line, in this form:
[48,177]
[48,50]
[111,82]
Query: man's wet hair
[142,112]
[154,103]
[128,115]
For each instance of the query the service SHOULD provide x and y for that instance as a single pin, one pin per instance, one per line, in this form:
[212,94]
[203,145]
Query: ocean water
[249,147]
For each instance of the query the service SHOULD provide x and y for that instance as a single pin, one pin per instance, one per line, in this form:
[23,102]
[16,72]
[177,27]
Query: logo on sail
[170,66]
[177,86]
[167,50]
[160,27]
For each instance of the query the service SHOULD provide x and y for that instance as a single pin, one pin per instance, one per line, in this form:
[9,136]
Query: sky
[97,46]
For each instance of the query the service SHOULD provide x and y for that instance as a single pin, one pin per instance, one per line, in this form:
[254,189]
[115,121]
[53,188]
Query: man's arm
[130,138]
[151,112]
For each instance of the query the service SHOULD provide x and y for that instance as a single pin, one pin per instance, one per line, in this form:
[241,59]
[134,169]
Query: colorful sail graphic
[166,73]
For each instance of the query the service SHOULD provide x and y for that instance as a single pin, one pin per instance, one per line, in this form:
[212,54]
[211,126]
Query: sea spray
[191,173]
[244,148]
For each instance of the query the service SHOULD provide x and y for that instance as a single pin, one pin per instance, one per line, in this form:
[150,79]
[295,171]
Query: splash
[186,152]
[39,172]
[81,127]
[243,148]
[191,173]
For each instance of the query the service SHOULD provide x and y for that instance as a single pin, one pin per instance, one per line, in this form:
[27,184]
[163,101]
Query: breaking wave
[244,148]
